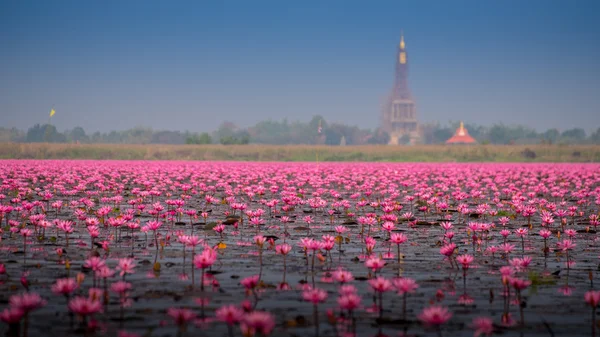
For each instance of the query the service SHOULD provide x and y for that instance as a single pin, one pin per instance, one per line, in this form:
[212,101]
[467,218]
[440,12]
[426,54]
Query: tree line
[297,132]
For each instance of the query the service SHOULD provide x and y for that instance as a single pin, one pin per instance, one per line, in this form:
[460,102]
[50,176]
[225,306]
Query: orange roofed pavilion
[461,136]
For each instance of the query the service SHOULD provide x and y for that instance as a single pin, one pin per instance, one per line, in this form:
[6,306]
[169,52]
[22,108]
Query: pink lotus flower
[120,287]
[283,249]
[566,244]
[27,302]
[229,314]
[314,245]
[448,250]
[342,276]
[505,233]
[398,238]
[521,232]
[258,322]
[340,229]
[374,264]
[314,295]
[126,266]
[349,302]
[219,228]
[105,272]
[250,282]
[64,286]
[206,259]
[181,316]
[11,315]
[84,306]
[545,233]
[482,326]
[592,298]
[465,260]
[94,263]
[259,240]
[405,285]
[380,284]
[347,289]
[435,315]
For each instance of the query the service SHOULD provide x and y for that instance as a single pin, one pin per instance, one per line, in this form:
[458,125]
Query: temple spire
[399,114]
[402,44]
[461,136]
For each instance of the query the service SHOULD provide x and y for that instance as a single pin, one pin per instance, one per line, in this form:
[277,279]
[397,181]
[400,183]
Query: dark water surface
[552,306]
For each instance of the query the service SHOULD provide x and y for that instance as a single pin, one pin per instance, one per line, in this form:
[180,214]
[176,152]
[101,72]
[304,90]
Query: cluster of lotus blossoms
[350,234]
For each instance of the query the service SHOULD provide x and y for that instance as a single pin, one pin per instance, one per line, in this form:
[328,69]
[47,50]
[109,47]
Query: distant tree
[112,137]
[351,134]
[427,132]
[441,135]
[226,130]
[11,135]
[404,140]
[332,136]
[298,132]
[595,136]
[503,134]
[551,136]
[44,133]
[241,138]
[35,134]
[315,121]
[97,137]
[499,134]
[78,135]
[575,135]
[167,137]
[137,135]
[204,138]
[227,140]
[379,137]
[271,132]
[476,131]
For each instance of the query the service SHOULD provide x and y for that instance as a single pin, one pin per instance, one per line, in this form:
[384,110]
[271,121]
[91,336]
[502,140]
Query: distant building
[399,115]
[461,136]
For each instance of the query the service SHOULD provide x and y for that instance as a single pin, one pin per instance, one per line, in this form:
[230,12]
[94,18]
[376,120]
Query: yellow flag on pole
[52,112]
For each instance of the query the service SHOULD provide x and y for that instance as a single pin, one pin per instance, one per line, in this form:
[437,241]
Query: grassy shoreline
[260,152]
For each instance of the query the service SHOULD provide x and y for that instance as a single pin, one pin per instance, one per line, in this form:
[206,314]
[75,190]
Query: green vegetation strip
[253,152]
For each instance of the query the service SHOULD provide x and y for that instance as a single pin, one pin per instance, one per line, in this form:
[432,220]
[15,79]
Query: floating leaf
[210,226]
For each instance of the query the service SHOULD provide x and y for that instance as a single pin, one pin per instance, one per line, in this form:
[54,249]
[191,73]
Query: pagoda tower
[461,136]
[399,115]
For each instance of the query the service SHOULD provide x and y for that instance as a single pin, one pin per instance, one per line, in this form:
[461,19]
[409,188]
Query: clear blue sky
[192,64]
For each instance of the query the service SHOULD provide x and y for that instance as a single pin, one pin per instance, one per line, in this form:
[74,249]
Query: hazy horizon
[192,65]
